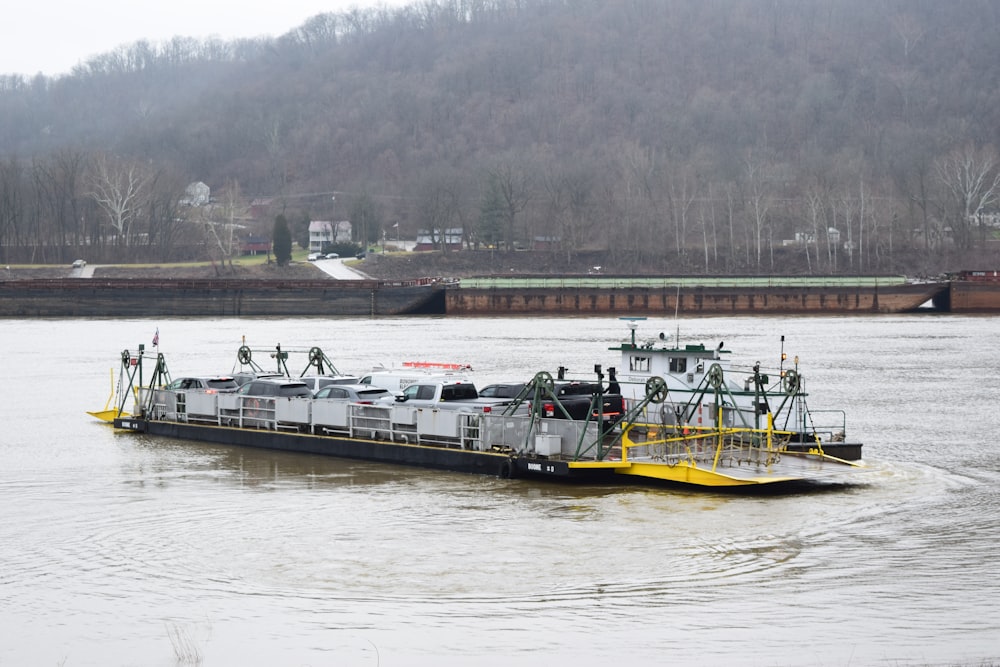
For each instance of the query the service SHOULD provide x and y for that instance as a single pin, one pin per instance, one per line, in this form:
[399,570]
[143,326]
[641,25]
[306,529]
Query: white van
[398,379]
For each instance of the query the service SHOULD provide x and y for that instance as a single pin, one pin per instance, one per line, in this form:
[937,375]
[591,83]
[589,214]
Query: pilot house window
[640,364]
[678,364]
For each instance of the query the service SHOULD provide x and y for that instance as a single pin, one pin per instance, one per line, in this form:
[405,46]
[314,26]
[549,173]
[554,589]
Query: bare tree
[814,201]
[164,218]
[681,188]
[221,222]
[760,199]
[909,30]
[636,231]
[706,215]
[438,208]
[971,178]
[512,186]
[732,197]
[567,197]
[12,204]
[119,187]
[862,215]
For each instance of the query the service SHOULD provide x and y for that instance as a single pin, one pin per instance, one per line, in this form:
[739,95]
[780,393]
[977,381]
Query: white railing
[389,422]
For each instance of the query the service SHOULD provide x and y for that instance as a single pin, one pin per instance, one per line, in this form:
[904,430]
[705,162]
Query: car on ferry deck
[219,384]
[317,382]
[276,388]
[502,390]
[244,377]
[356,393]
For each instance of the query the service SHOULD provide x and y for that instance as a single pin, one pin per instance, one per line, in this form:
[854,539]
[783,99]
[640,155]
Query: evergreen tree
[281,240]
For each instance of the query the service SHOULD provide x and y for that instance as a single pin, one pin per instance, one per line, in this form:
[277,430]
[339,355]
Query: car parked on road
[313,256]
[332,255]
[79,263]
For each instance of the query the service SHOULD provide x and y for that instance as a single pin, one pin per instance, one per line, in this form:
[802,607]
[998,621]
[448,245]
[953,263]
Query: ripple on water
[260,555]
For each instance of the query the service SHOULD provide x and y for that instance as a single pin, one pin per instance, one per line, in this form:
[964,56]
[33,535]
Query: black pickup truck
[576,399]
[568,400]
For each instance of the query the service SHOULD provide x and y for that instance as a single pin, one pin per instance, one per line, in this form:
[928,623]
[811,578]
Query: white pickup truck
[441,411]
[448,395]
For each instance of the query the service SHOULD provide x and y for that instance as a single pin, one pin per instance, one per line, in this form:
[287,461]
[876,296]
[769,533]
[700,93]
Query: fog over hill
[721,136]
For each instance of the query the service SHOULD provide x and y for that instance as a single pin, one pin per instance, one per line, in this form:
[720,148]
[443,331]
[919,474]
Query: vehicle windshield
[374,394]
[293,390]
[501,391]
[223,383]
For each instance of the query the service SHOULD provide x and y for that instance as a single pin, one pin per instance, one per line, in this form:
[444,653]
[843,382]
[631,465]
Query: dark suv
[503,390]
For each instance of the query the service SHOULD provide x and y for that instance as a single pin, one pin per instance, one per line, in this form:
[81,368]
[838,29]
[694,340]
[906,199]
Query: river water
[122,549]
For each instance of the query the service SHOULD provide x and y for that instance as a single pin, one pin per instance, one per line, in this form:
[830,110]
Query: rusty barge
[75,297]
[690,296]
[571,296]
[971,292]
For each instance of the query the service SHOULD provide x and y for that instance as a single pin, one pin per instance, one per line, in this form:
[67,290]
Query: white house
[324,231]
[431,240]
[196,194]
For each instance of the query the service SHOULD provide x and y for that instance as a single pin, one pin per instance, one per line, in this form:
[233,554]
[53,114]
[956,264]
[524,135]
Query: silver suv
[276,387]
[356,393]
[214,385]
[317,382]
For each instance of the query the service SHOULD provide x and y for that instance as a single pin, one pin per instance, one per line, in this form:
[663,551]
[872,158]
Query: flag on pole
[156,337]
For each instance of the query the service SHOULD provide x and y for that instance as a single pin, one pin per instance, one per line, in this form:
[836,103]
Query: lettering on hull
[542,467]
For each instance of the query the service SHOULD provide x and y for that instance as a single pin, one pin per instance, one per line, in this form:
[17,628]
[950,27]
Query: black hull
[441,458]
[845,451]
[218,298]
[496,464]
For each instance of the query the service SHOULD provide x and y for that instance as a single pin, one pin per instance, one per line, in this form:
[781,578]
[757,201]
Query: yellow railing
[707,446]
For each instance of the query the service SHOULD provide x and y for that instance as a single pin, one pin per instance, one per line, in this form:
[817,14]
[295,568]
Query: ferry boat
[688,427]
[701,387]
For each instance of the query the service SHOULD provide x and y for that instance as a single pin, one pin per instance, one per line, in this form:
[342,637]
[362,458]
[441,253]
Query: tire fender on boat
[507,469]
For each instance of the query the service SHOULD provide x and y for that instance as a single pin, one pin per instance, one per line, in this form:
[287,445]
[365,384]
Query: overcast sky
[52,36]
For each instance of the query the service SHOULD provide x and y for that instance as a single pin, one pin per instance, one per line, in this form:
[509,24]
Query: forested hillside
[717,136]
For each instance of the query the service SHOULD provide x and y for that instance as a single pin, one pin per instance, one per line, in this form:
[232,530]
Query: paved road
[333,267]
[337,269]
[86,272]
